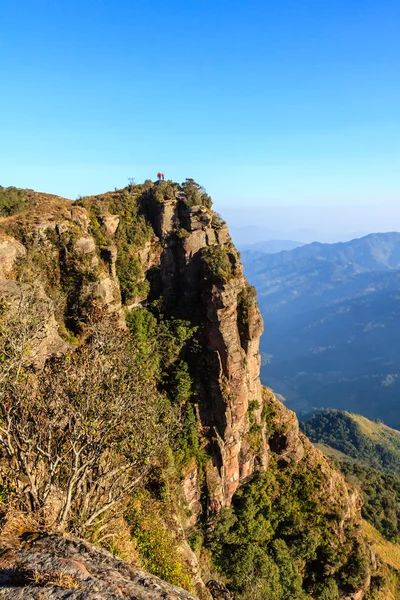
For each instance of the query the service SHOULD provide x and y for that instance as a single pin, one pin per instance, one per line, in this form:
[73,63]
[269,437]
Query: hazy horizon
[286,221]
[308,223]
[271,104]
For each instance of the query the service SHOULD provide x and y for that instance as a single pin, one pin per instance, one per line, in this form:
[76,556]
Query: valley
[331,315]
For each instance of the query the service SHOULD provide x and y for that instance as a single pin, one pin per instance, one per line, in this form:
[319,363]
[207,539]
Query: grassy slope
[389,439]
[388,552]
[379,433]
[355,436]
[330,452]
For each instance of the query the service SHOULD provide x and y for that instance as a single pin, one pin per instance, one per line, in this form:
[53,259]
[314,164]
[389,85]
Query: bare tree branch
[81,433]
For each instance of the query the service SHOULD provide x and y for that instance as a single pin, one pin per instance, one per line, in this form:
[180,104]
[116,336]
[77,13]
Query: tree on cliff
[195,194]
[78,435]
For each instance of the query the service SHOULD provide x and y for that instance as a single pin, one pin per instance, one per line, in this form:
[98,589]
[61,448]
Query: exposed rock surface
[85,245]
[110,223]
[46,340]
[106,292]
[231,348]
[79,216]
[40,567]
[191,490]
[10,251]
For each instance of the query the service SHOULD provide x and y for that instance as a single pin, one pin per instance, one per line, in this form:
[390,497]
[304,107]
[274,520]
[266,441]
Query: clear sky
[273,104]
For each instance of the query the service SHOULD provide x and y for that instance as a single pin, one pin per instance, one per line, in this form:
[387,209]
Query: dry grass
[378,432]
[330,452]
[115,536]
[388,552]
[16,523]
[24,577]
[39,205]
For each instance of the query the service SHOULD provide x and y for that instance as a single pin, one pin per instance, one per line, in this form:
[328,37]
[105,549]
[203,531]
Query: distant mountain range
[269,246]
[332,324]
[249,234]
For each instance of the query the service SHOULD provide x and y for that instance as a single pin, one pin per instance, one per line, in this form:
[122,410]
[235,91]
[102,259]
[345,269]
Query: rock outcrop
[110,223]
[40,567]
[46,340]
[10,251]
[230,340]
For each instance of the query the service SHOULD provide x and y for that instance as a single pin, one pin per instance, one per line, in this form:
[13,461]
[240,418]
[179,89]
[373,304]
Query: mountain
[368,454]
[269,246]
[249,234]
[283,223]
[331,319]
[372,443]
[376,251]
[132,414]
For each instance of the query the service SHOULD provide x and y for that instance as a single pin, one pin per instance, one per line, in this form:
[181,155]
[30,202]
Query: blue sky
[270,104]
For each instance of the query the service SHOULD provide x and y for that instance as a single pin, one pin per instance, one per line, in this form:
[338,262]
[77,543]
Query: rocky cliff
[161,248]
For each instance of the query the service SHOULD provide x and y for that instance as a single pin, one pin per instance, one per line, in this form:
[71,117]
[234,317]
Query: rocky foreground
[41,566]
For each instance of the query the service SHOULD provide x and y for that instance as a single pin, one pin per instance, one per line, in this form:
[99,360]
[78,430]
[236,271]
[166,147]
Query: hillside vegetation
[368,454]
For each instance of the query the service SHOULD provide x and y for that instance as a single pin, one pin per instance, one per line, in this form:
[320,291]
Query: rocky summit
[204,479]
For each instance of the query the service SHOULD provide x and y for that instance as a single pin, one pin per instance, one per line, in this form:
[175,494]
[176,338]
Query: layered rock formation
[230,340]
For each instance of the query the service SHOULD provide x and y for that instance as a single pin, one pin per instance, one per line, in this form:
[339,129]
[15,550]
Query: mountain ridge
[332,313]
[269,246]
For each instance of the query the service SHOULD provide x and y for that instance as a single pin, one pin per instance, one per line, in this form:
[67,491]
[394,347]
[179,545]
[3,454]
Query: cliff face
[228,380]
[163,244]
[226,311]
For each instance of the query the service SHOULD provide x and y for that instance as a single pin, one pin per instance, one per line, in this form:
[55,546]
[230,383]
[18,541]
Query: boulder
[105,291]
[85,245]
[110,223]
[80,217]
[43,566]
[10,251]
